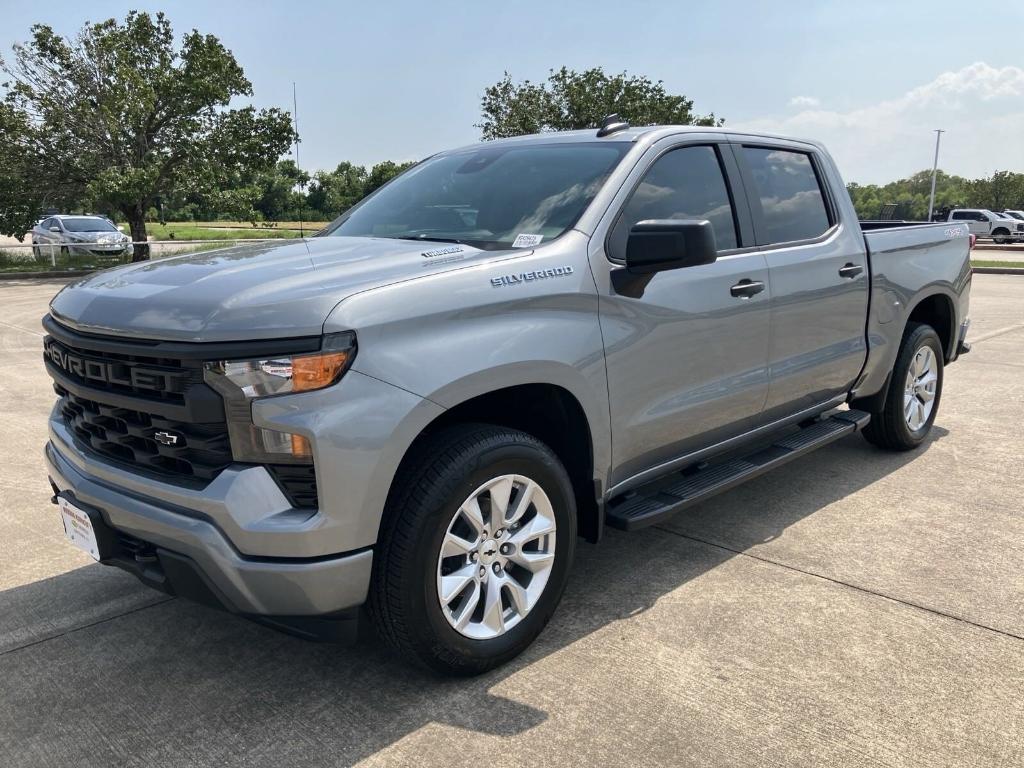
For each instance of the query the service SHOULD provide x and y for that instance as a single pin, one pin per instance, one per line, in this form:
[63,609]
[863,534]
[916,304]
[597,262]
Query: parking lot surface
[855,607]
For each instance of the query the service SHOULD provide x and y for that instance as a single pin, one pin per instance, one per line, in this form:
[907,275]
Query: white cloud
[804,101]
[980,107]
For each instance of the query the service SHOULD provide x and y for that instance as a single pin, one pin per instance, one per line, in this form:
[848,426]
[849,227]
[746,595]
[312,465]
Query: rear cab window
[793,204]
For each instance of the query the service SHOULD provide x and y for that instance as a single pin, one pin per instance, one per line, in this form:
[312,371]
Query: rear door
[819,274]
[976,221]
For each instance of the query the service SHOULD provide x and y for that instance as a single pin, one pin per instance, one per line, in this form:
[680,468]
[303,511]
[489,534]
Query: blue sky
[399,80]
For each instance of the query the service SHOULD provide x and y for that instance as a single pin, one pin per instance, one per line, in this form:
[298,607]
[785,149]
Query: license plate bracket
[84,527]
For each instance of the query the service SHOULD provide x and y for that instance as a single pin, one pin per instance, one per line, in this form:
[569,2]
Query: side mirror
[55,229]
[660,244]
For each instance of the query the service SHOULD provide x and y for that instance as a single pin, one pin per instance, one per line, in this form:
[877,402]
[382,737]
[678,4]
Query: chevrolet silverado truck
[412,417]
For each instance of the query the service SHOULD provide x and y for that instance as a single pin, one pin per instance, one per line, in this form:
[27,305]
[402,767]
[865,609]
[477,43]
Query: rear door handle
[746,288]
[850,270]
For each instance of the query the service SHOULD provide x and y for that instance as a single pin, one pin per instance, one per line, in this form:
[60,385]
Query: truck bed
[882,237]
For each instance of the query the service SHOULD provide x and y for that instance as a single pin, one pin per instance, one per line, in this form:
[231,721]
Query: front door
[687,350]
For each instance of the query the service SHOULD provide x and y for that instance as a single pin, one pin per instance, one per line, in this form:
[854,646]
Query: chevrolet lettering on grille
[114,373]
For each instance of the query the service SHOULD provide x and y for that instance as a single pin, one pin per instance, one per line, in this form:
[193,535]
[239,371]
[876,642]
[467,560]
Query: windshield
[1014,215]
[491,197]
[87,224]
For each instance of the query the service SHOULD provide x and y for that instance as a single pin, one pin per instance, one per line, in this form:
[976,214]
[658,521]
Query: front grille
[144,404]
[198,451]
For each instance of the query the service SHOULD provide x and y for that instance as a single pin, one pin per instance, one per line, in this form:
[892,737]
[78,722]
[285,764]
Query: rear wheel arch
[935,310]
[938,311]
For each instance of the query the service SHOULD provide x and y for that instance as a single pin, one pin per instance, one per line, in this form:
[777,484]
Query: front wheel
[475,548]
[915,388]
[1001,236]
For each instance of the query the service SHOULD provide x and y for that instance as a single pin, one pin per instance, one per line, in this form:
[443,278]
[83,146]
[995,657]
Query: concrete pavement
[853,608]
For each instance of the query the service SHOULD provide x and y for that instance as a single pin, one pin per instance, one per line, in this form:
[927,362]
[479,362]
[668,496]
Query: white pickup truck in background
[1001,227]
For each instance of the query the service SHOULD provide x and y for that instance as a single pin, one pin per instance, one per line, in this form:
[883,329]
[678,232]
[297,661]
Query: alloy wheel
[919,389]
[496,557]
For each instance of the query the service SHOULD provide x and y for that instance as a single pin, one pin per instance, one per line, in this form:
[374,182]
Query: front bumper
[97,249]
[191,551]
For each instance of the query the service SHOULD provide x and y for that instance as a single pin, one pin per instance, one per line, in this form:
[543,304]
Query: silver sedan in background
[79,236]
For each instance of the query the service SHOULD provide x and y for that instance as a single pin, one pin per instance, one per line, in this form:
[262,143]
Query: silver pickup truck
[510,346]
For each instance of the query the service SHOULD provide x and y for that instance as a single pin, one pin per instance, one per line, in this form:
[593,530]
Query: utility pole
[935,170]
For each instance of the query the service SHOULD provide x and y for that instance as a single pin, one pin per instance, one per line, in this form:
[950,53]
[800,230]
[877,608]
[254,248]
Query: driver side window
[684,183]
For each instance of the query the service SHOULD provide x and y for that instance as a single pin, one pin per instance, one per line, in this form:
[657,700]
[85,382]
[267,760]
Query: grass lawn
[308,226]
[992,263]
[22,259]
[193,231]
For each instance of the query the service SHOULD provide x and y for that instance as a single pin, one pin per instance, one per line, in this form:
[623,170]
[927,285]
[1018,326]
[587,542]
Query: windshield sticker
[527,241]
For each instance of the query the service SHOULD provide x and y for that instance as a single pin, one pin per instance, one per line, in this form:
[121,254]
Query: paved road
[853,608]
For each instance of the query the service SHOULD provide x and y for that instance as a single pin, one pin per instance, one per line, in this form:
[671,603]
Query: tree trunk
[137,225]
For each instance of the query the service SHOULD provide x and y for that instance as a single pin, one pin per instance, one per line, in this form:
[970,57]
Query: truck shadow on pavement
[98,670]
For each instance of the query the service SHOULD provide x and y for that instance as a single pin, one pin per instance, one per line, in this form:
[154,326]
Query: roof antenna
[612,124]
[295,130]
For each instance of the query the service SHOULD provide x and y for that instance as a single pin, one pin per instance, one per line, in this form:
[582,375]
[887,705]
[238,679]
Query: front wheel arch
[551,414]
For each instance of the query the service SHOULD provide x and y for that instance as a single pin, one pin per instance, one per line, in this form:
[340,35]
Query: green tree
[119,117]
[278,199]
[332,192]
[571,100]
[20,199]
[382,173]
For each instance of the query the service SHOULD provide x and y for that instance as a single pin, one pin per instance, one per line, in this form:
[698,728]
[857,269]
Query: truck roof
[628,135]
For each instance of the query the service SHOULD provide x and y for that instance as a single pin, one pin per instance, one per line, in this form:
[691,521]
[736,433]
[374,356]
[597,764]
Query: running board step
[662,498]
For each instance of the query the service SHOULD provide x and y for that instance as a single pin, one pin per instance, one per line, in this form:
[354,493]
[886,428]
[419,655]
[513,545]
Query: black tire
[888,428]
[433,482]
[1001,236]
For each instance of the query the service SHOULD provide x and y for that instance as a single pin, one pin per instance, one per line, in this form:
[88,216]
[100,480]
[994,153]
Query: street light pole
[935,170]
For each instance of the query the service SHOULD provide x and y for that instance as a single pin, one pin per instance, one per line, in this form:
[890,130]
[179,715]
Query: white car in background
[79,236]
[982,222]
[1018,215]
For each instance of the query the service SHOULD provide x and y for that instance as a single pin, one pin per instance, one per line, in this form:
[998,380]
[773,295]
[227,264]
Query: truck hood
[261,290]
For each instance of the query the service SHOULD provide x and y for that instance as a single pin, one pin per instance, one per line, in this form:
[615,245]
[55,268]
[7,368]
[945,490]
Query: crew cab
[412,417]
[1001,227]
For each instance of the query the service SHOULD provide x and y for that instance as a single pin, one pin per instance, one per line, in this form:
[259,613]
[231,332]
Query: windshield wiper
[429,239]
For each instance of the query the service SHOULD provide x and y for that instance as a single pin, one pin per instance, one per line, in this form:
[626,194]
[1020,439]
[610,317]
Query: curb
[44,275]
[997,271]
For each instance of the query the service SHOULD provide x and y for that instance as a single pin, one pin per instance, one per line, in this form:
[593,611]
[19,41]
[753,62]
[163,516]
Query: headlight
[242,381]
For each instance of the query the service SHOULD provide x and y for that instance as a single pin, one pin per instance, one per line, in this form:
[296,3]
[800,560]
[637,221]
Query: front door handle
[850,270]
[746,288]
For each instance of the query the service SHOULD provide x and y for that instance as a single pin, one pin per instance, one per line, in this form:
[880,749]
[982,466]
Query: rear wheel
[915,388]
[475,548]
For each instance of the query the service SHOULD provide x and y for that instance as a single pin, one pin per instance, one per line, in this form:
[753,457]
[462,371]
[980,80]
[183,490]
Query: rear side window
[792,204]
[685,183]
[963,216]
